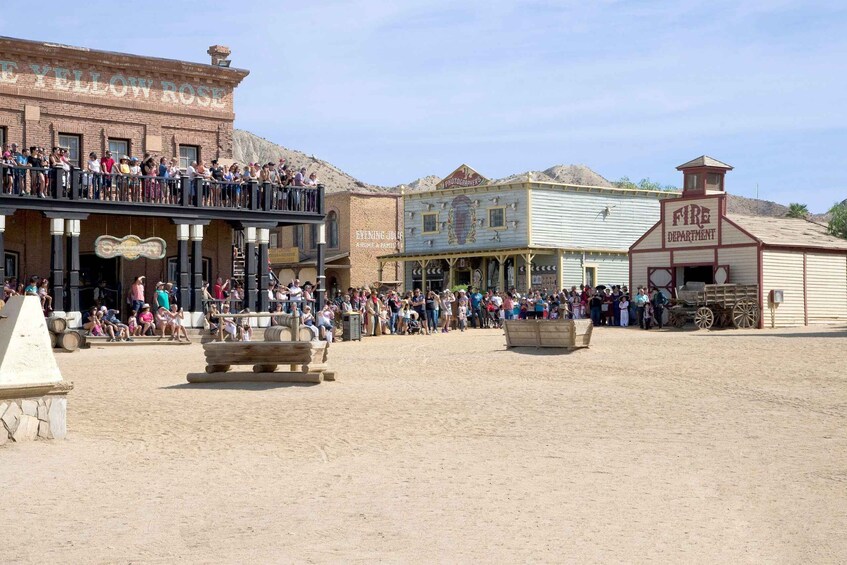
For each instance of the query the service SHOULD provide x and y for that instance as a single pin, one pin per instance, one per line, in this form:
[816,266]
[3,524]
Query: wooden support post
[183,266]
[424,265]
[3,247]
[251,294]
[501,279]
[528,257]
[57,261]
[196,235]
[451,272]
[560,271]
[263,239]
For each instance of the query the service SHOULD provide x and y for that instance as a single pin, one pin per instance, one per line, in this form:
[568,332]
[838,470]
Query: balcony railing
[57,184]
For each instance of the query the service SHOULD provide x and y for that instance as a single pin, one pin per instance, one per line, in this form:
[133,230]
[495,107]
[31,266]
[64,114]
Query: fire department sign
[130,247]
[691,223]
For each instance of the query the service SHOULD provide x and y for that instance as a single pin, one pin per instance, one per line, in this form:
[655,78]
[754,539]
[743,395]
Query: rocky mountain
[424,183]
[250,148]
[566,174]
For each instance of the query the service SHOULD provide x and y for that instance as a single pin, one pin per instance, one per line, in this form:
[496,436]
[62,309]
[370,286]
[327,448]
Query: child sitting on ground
[132,323]
[177,318]
[43,294]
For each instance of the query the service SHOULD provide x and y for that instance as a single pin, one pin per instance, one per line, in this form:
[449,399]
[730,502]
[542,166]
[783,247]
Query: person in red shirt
[219,289]
[106,166]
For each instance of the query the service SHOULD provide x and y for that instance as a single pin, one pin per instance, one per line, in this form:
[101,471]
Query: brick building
[360,226]
[87,100]
[173,228]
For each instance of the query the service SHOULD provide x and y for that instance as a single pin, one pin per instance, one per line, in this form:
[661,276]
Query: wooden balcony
[56,190]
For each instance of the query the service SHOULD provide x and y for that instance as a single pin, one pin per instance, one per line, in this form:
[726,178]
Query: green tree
[838,220]
[797,210]
[624,182]
[643,184]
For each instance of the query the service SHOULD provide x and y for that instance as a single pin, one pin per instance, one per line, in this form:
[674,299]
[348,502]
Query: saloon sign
[114,85]
[690,223]
[130,247]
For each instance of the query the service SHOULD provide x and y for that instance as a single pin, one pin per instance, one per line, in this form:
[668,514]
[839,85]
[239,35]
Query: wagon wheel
[704,318]
[677,317]
[745,314]
[722,315]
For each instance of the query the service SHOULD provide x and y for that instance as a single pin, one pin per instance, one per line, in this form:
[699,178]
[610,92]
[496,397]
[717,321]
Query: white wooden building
[522,234]
[800,269]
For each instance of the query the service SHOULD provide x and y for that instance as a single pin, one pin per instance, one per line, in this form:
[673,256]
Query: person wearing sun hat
[146,320]
[163,300]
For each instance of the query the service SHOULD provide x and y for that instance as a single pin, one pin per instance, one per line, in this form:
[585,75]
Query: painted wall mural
[461,221]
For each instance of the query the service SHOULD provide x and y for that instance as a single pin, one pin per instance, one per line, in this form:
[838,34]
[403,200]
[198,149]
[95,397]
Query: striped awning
[431,271]
[539,269]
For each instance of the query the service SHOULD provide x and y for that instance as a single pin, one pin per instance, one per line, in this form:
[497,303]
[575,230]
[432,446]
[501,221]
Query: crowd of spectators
[151,179]
[416,312]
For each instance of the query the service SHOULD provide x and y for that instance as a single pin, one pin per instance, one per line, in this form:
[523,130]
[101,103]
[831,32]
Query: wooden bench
[568,334]
[307,361]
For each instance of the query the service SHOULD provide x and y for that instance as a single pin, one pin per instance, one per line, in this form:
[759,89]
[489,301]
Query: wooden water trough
[569,334]
[306,359]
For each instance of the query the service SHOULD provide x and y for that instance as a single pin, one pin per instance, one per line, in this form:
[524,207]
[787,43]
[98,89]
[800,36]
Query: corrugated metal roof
[790,232]
[704,161]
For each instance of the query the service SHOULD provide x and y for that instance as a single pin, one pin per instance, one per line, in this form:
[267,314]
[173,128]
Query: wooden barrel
[53,340]
[57,325]
[305,334]
[69,341]
[278,333]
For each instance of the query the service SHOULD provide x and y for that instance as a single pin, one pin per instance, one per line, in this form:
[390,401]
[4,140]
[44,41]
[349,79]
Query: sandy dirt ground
[674,447]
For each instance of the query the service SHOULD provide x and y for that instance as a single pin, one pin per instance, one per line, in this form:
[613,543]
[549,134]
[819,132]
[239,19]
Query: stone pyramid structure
[26,356]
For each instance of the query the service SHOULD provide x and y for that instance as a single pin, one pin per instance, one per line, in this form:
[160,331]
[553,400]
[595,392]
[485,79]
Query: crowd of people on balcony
[150,179]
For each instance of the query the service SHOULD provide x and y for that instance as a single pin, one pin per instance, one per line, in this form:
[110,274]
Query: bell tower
[702,176]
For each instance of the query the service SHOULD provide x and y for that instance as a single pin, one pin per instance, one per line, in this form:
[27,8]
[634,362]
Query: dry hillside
[248,147]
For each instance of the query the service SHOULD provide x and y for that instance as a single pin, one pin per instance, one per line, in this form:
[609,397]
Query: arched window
[332,230]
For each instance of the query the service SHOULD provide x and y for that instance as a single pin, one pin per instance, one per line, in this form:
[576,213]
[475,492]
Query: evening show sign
[690,223]
[115,85]
[377,239]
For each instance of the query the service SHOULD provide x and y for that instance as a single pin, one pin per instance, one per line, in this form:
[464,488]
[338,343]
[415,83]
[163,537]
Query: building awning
[493,252]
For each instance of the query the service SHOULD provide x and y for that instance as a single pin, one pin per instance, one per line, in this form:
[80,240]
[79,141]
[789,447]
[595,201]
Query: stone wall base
[42,417]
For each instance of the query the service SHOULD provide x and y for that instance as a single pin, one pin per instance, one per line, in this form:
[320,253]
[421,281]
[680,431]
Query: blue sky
[391,91]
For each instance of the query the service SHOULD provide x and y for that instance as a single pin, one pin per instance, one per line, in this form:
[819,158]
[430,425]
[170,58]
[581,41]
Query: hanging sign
[130,247]
[284,255]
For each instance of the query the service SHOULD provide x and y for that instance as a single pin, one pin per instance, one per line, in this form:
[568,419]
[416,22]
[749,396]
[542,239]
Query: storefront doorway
[696,273]
[92,271]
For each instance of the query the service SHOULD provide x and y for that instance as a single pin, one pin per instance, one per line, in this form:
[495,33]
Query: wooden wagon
[716,305]
[569,334]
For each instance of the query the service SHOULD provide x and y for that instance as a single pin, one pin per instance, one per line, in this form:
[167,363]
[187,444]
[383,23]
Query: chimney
[220,55]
